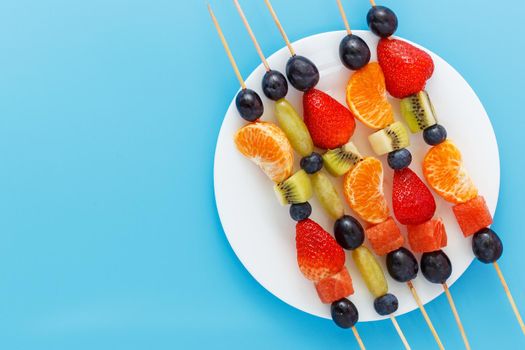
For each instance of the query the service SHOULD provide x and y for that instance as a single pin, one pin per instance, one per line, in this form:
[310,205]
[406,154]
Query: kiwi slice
[296,189]
[418,111]
[325,191]
[391,138]
[294,128]
[340,160]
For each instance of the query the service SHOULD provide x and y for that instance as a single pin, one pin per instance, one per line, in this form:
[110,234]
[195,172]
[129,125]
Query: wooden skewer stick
[456,316]
[358,338]
[281,29]
[227,48]
[425,315]
[400,332]
[509,296]
[343,15]
[252,36]
[373,3]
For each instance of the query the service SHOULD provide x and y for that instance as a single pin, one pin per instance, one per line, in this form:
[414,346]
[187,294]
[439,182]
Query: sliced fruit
[318,254]
[366,97]
[325,191]
[473,215]
[340,160]
[385,237]
[268,147]
[418,111]
[296,189]
[391,138]
[371,271]
[294,128]
[412,201]
[444,171]
[363,189]
[428,236]
[335,287]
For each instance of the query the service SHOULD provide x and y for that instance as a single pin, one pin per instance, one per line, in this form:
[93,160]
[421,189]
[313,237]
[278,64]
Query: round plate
[261,232]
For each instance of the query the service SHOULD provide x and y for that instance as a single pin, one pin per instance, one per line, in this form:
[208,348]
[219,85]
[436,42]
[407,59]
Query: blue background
[109,114]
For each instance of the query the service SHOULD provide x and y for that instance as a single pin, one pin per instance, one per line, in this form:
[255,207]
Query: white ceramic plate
[261,232]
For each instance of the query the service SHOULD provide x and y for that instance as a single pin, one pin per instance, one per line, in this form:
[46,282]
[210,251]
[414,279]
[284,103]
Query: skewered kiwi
[296,189]
[391,138]
[418,111]
[340,160]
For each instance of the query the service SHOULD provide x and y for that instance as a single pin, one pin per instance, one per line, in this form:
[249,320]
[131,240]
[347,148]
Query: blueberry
[435,134]
[302,73]
[487,246]
[348,232]
[312,163]
[354,52]
[386,304]
[300,211]
[274,85]
[436,266]
[382,21]
[399,159]
[344,313]
[402,265]
[249,105]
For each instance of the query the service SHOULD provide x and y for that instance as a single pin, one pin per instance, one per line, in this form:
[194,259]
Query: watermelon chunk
[428,236]
[473,215]
[385,237]
[335,287]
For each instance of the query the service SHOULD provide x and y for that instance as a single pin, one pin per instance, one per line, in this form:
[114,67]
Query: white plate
[261,232]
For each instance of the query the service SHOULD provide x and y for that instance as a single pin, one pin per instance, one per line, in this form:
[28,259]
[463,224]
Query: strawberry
[330,123]
[318,254]
[411,199]
[335,287]
[406,68]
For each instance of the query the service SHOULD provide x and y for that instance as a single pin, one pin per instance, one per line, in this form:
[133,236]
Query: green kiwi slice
[418,111]
[296,189]
[391,138]
[340,160]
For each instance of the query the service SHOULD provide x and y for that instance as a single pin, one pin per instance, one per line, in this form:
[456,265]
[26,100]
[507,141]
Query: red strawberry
[330,123]
[412,201]
[406,67]
[318,254]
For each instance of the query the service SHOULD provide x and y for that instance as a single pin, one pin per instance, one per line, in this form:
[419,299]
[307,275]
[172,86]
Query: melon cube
[473,215]
[428,236]
[385,237]
[335,287]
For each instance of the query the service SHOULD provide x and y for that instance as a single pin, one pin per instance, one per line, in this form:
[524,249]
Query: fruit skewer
[311,239]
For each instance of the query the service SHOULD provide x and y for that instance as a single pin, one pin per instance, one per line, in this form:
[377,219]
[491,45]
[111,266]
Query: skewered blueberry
[300,211]
[348,232]
[274,85]
[487,246]
[354,52]
[382,21]
[386,304]
[249,105]
[312,163]
[302,73]
[402,265]
[435,134]
[436,266]
[344,313]
[399,159]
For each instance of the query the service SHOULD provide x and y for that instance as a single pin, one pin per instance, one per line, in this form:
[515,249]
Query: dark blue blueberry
[249,105]
[386,304]
[348,232]
[300,211]
[344,313]
[436,266]
[382,21]
[274,85]
[354,52]
[312,163]
[487,246]
[435,134]
[402,265]
[302,73]
[399,159]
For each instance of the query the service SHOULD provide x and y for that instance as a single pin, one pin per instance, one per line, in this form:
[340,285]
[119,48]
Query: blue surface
[109,235]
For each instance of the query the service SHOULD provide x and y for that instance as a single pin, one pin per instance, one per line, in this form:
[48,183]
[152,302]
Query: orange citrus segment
[267,146]
[366,97]
[444,171]
[363,187]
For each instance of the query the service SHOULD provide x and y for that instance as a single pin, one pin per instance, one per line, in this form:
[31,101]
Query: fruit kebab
[319,257]
[442,166]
